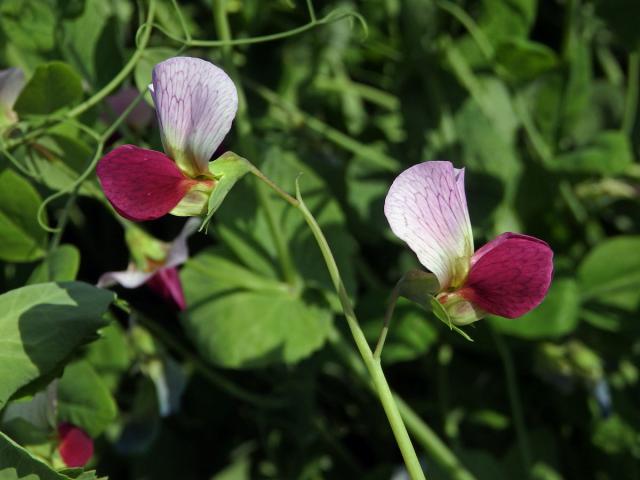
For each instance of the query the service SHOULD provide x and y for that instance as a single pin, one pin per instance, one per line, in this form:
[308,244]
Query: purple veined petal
[11,84]
[130,278]
[196,103]
[426,207]
[166,283]
[179,251]
[510,275]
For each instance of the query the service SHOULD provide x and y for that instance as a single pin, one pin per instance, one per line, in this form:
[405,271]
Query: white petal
[130,278]
[196,103]
[11,84]
[179,251]
[426,207]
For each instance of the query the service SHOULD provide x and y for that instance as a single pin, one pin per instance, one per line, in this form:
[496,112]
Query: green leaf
[84,400]
[40,325]
[54,85]
[12,474]
[13,456]
[93,38]
[244,227]
[228,169]
[111,355]
[60,158]
[524,60]
[610,273]
[29,24]
[240,319]
[61,265]
[556,316]
[21,237]
[609,153]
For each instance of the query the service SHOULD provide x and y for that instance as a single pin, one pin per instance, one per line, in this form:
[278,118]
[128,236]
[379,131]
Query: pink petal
[166,283]
[141,184]
[76,447]
[510,275]
[179,251]
[196,103]
[130,278]
[426,207]
[11,84]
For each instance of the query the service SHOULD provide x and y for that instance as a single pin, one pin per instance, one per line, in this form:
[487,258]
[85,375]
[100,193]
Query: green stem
[395,294]
[514,400]
[373,366]
[423,434]
[203,368]
[631,101]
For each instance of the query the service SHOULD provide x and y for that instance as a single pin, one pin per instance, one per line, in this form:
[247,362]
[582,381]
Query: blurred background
[537,99]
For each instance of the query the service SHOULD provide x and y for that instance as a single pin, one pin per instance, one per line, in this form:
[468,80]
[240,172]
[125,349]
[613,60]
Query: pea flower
[11,84]
[154,263]
[426,207]
[196,103]
[75,447]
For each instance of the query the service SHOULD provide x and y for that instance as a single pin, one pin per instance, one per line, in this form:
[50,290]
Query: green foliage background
[258,378]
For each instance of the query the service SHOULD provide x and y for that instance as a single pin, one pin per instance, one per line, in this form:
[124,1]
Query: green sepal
[227,169]
[143,247]
[439,311]
[419,287]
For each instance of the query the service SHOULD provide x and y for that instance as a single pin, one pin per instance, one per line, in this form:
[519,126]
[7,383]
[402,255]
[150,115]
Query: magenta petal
[76,447]
[166,283]
[141,184]
[510,275]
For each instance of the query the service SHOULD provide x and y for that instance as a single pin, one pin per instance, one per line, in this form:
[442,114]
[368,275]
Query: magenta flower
[11,84]
[426,207]
[154,263]
[196,103]
[75,447]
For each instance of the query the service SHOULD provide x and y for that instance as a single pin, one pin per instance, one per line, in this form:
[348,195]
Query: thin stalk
[126,70]
[373,366]
[631,101]
[395,294]
[424,435]
[514,400]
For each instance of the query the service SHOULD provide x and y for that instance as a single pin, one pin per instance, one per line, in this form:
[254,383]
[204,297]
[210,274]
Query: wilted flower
[75,447]
[196,103]
[154,263]
[426,207]
[11,84]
